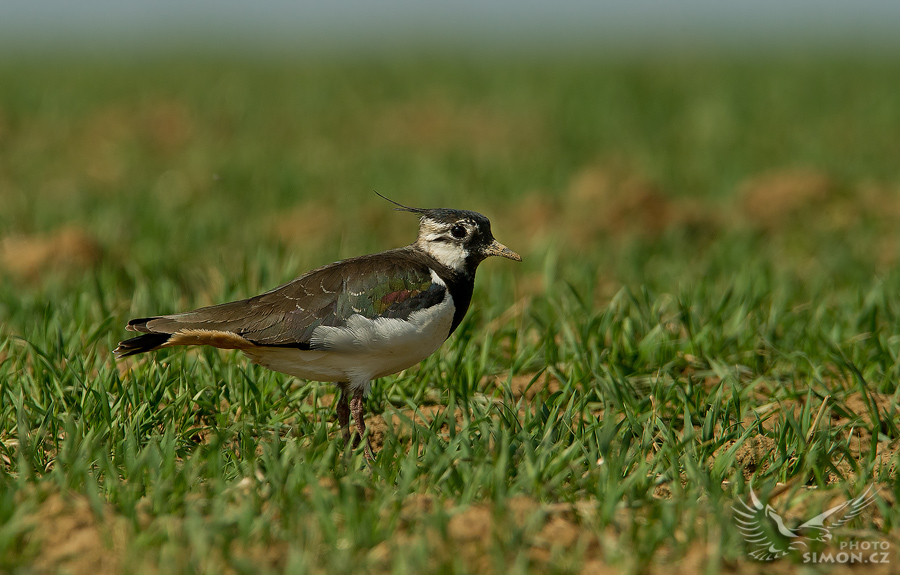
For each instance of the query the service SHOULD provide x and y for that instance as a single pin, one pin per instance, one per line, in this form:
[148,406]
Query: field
[708,301]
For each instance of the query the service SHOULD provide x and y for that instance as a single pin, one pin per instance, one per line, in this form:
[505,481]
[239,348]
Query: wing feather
[382,285]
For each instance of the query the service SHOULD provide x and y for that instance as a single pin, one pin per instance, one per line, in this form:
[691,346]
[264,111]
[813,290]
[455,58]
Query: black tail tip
[140,344]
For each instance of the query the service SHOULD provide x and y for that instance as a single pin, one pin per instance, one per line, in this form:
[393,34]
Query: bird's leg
[343,412]
[356,408]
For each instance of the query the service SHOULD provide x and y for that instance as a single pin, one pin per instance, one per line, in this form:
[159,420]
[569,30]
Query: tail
[169,330]
[140,344]
[148,341]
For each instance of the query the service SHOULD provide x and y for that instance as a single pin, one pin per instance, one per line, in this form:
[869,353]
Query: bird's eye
[458,231]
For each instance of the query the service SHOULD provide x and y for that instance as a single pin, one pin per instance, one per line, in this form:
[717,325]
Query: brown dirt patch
[605,200]
[102,138]
[424,415]
[482,538]
[97,146]
[72,540]
[880,207]
[881,404]
[534,219]
[616,202]
[752,455]
[771,199]
[858,432]
[67,250]
[552,534]
[521,385]
[166,124]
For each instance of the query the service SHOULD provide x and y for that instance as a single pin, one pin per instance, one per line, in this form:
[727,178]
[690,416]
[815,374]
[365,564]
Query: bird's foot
[356,409]
[343,415]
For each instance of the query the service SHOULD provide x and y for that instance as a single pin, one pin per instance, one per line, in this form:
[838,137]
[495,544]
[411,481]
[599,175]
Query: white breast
[365,348]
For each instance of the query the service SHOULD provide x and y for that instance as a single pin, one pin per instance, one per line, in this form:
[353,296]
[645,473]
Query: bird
[767,545]
[350,321]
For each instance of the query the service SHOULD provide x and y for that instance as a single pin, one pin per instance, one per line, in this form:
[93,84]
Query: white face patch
[436,241]
[451,255]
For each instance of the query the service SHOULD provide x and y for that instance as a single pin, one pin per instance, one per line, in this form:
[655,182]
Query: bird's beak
[498,249]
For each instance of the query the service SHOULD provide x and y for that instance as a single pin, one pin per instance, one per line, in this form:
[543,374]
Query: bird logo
[765,530]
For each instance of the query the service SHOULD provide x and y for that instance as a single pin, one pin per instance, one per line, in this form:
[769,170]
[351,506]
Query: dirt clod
[771,199]
[66,250]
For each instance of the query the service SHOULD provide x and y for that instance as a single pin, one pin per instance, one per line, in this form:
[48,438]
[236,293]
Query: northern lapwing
[351,321]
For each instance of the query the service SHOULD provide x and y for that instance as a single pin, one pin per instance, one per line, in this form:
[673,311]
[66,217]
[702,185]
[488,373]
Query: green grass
[664,350]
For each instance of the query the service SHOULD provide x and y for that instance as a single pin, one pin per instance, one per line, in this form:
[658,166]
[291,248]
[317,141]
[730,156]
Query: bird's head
[458,239]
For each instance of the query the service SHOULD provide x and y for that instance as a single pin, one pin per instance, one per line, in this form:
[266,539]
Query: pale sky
[367,24]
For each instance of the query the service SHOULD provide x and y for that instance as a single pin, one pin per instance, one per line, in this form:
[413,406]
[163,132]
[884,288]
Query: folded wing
[383,285]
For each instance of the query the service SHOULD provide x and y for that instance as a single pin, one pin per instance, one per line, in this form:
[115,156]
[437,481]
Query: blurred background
[706,195]
[357,27]
[613,144]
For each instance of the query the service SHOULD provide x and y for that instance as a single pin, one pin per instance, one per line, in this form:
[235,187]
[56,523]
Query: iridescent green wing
[382,285]
[371,287]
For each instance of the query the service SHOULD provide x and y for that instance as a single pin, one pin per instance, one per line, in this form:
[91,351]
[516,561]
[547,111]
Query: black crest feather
[401,207]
